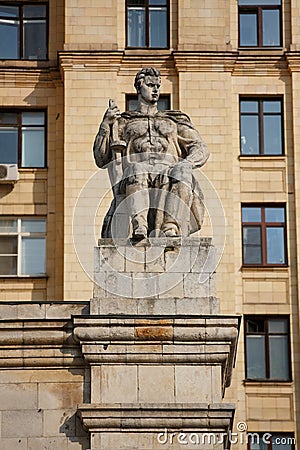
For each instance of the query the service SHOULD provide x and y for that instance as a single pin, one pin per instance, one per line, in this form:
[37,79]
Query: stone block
[18,396]
[194,288]
[51,443]
[13,444]
[59,395]
[134,258]
[59,422]
[193,384]
[156,306]
[22,424]
[145,285]
[171,285]
[156,384]
[118,384]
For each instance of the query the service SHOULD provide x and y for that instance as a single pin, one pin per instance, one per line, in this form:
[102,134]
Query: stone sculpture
[151,155]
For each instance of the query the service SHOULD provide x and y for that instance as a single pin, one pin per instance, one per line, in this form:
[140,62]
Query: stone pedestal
[160,355]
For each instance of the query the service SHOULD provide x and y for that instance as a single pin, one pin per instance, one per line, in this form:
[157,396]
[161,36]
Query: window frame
[20,234]
[129,97]
[147,26]
[266,333]
[263,227]
[19,126]
[21,19]
[260,114]
[270,445]
[258,9]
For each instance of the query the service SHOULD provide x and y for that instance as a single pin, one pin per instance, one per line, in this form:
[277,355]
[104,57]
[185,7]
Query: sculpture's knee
[182,171]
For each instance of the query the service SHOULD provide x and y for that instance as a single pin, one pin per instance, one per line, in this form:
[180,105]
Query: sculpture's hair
[148,71]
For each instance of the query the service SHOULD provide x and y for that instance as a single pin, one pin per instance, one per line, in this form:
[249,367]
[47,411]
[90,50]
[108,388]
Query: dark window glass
[147,23]
[23,138]
[260,23]
[267,348]
[23,32]
[270,441]
[261,127]
[22,246]
[264,236]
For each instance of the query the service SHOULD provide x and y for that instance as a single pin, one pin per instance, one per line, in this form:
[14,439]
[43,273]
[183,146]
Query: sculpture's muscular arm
[102,151]
[194,148]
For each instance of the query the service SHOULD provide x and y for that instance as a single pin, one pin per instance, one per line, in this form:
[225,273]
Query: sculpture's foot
[140,233]
[171,231]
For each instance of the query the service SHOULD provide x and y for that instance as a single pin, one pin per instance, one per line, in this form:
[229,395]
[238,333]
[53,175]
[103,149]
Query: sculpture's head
[147,83]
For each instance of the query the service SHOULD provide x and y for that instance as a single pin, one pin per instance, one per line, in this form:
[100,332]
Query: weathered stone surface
[18,396]
[25,423]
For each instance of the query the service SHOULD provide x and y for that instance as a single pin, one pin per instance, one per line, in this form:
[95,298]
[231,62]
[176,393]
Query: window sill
[270,269]
[267,382]
[25,63]
[146,50]
[22,277]
[262,157]
[262,50]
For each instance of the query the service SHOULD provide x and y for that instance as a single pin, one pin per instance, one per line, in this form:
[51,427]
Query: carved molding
[182,340]
[156,417]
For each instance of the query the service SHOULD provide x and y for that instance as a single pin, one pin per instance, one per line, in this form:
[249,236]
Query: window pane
[249,106]
[9,11]
[136,27]
[251,214]
[255,325]
[252,245]
[33,147]
[136,2]
[272,135]
[282,442]
[158,27]
[275,245]
[9,39]
[271,27]
[35,41]
[249,135]
[275,215]
[34,11]
[278,326]
[279,362]
[259,2]
[248,30]
[34,226]
[255,355]
[33,256]
[33,118]
[7,118]
[8,265]
[8,145]
[8,225]
[272,106]
[163,104]
[8,245]
[256,443]
[157,2]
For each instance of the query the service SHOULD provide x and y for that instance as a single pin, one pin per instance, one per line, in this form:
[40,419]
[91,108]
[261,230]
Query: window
[270,441]
[23,31]
[147,23]
[264,235]
[23,138]
[162,104]
[260,23]
[22,246]
[267,348]
[261,125]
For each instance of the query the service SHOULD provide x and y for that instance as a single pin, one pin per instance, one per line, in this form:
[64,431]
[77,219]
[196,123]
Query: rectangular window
[260,23]
[23,138]
[267,348]
[270,441]
[163,104]
[147,23]
[261,126]
[23,31]
[264,235]
[22,246]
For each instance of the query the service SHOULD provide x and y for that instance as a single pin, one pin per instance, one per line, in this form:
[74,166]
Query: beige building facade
[234,67]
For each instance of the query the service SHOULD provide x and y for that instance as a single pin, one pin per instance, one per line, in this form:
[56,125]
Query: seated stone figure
[151,155]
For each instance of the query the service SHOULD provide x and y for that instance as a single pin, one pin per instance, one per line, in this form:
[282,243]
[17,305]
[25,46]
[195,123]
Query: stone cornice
[211,339]
[293,59]
[28,76]
[203,61]
[156,417]
[260,64]
[105,61]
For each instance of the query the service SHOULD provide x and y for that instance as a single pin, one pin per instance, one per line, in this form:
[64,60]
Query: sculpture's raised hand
[112,113]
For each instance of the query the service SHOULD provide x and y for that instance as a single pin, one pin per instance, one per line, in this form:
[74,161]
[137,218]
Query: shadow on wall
[73,430]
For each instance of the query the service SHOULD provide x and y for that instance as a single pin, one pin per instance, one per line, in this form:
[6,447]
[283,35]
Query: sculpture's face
[150,90]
